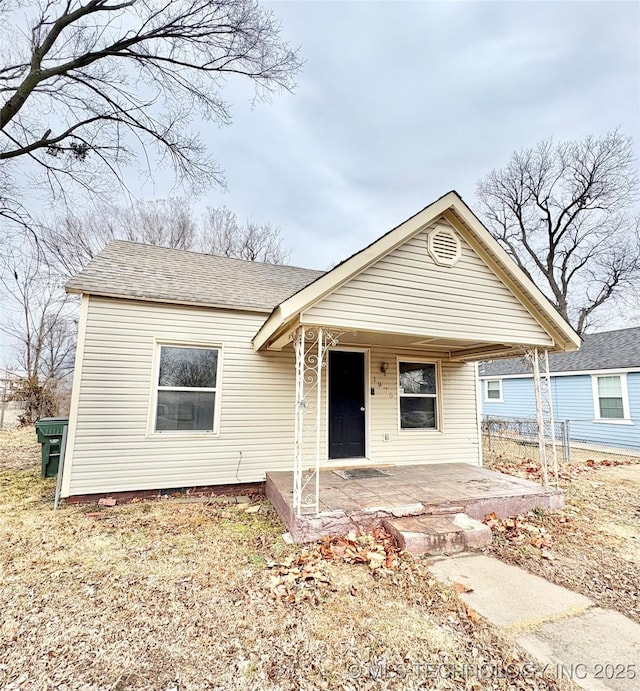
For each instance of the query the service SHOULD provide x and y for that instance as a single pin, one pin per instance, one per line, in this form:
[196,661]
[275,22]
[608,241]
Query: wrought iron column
[547,408]
[310,345]
[544,411]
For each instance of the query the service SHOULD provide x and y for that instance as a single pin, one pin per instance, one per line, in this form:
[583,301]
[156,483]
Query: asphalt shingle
[606,350]
[147,272]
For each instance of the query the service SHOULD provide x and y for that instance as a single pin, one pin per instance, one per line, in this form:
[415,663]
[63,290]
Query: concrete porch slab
[407,490]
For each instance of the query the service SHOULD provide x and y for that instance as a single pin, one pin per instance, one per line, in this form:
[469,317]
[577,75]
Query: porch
[435,499]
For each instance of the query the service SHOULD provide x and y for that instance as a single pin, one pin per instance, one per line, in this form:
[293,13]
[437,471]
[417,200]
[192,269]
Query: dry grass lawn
[594,542]
[169,595]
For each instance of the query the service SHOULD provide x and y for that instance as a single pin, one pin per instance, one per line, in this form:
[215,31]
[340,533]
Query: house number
[384,388]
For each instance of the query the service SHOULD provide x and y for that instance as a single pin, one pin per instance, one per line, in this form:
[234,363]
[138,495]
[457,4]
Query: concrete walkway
[596,648]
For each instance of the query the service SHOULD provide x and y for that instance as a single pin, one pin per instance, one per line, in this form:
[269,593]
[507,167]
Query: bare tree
[88,85]
[223,234]
[72,239]
[42,330]
[564,213]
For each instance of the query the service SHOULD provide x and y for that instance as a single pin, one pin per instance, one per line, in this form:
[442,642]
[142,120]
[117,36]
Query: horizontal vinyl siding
[633,385]
[576,404]
[457,439]
[407,292]
[517,400]
[572,401]
[111,450]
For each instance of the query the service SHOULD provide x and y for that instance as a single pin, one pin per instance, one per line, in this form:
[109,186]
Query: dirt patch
[171,595]
[593,545]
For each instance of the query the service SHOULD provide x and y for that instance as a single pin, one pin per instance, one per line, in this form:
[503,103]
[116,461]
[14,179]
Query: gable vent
[444,246]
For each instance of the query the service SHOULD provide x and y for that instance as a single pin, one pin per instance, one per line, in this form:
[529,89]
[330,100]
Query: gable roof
[158,274]
[601,351]
[451,207]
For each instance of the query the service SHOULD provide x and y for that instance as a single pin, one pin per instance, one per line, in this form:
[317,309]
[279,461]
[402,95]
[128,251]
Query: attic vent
[444,246]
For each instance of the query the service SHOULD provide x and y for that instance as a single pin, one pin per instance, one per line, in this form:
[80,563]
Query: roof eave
[563,335]
[167,301]
[341,273]
[551,318]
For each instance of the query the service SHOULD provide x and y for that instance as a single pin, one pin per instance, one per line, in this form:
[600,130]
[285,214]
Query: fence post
[566,442]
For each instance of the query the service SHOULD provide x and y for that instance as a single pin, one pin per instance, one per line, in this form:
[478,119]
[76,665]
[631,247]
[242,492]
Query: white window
[610,398]
[187,392]
[418,395]
[493,390]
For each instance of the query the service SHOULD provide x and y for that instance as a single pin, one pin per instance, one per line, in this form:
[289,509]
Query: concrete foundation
[413,490]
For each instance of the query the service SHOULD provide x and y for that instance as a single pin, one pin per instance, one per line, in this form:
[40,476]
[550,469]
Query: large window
[610,397]
[418,395]
[187,389]
[493,390]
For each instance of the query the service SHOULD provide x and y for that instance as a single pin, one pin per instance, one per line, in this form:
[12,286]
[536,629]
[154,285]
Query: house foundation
[438,490]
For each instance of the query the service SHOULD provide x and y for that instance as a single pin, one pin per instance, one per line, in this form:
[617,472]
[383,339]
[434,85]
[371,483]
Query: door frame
[367,404]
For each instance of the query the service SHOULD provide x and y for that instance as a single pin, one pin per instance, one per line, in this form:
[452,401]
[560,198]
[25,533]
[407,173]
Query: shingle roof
[607,350]
[147,272]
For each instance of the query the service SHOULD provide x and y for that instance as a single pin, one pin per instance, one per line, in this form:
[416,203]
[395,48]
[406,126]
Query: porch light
[384,366]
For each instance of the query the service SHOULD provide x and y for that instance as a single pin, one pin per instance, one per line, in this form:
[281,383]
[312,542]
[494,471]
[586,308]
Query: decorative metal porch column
[311,345]
[544,411]
[306,481]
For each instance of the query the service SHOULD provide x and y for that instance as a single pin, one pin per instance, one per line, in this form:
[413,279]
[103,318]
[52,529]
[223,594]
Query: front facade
[595,391]
[197,371]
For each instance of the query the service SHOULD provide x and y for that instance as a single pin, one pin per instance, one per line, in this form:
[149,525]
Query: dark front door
[346,404]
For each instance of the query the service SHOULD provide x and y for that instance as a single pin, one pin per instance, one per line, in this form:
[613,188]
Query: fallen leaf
[462,587]
[472,615]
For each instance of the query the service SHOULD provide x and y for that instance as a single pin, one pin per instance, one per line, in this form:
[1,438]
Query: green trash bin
[49,431]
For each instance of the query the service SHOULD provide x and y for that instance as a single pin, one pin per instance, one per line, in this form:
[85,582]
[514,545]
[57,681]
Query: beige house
[198,370]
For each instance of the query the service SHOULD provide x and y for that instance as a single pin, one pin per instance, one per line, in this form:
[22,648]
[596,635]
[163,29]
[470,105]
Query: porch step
[443,534]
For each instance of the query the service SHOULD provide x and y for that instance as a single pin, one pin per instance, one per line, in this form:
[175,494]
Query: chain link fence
[576,440]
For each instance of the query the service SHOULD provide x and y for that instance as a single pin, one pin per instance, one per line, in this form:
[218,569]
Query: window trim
[500,398]
[158,344]
[626,420]
[439,428]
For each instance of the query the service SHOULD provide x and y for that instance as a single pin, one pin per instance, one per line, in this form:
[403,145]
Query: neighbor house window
[493,390]
[187,389]
[418,395]
[610,395]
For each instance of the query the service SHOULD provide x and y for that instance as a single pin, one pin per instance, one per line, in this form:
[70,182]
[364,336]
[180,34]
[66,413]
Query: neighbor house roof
[602,351]
[158,274]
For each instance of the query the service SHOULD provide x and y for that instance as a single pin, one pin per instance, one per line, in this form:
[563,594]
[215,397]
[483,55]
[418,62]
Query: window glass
[188,367]
[185,410]
[493,388]
[417,395]
[187,393]
[417,378]
[610,397]
[417,412]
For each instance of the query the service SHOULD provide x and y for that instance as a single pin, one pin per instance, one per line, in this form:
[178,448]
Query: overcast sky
[400,102]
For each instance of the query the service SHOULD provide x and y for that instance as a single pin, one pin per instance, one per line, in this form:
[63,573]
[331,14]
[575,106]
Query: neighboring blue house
[596,388]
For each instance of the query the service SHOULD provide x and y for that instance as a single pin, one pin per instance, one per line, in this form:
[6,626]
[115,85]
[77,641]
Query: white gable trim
[458,214]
